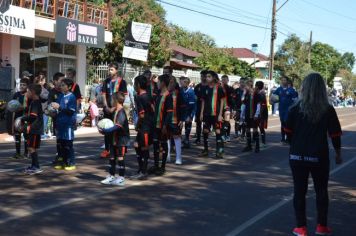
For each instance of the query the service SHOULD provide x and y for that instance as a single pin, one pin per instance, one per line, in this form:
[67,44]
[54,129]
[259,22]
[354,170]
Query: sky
[332,21]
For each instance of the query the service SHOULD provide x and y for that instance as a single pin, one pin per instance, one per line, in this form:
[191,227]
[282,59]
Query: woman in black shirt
[309,123]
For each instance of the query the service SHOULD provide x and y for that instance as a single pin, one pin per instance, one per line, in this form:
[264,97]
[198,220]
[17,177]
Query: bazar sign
[16,20]
[75,32]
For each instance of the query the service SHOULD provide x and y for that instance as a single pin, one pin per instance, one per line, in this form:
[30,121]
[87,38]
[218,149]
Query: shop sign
[16,20]
[137,41]
[75,32]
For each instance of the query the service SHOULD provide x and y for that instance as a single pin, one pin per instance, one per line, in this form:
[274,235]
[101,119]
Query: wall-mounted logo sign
[16,20]
[70,31]
[137,40]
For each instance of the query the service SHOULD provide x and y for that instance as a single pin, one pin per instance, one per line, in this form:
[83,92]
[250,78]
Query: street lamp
[254,48]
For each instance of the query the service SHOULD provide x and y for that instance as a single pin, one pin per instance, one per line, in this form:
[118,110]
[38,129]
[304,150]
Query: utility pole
[310,46]
[273,37]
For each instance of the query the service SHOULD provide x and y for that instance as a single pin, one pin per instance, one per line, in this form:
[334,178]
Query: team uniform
[53,96]
[212,97]
[287,96]
[198,90]
[110,87]
[189,99]
[25,104]
[153,90]
[163,113]
[144,129]
[263,122]
[34,129]
[309,153]
[65,125]
[228,104]
[251,114]
[240,128]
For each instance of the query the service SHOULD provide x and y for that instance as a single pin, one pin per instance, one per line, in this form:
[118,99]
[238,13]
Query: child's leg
[138,157]
[263,132]
[206,130]
[219,140]
[25,137]
[169,150]
[164,145]
[17,137]
[156,152]
[112,161]
[107,141]
[145,155]
[256,138]
[121,161]
[198,130]
[34,141]
[188,129]
[71,159]
[178,144]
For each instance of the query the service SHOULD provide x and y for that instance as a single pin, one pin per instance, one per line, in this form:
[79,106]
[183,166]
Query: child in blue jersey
[66,120]
[287,96]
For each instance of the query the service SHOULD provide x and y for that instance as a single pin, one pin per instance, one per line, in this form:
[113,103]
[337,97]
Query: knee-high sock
[18,143]
[156,153]
[34,160]
[139,158]
[256,138]
[164,154]
[249,141]
[178,143]
[107,139]
[263,136]
[188,129]
[228,128]
[219,143]
[198,130]
[169,150]
[112,163]
[121,164]
[205,137]
[145,155]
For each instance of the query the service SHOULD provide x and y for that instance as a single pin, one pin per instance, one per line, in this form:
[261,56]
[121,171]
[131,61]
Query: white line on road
[239,229]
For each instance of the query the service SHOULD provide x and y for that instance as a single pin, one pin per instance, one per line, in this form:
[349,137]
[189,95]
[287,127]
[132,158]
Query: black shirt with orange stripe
[144,106]
[212,96]
[34,118]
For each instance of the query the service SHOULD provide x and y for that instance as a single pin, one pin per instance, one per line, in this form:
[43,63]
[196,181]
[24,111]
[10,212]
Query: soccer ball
[51,111]
[274,98]
[13,106]
[105,124]
[18,125]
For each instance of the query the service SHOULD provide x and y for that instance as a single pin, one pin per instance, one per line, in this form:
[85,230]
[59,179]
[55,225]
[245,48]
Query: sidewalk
[4,137]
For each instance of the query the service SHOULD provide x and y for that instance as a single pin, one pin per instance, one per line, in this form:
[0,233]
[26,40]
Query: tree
[348,60]
[145,11]
[291,59]
[348,81]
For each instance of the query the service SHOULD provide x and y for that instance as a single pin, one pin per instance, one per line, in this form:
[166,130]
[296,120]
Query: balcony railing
[78,10]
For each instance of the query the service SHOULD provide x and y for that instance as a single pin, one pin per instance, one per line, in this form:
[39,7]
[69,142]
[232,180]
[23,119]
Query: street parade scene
[201,117]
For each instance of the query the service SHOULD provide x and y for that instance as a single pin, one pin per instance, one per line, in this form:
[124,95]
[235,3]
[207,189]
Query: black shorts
[143,138]
[159,136]
[252,123]
[211,121]
[34,141]
[174,129]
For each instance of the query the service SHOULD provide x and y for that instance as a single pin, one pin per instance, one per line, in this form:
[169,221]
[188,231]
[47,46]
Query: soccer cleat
[139,176]
[247,149]
[197,142]
[108,180]
[204,153]
[323,230]
[31,170]
[300,231]
[58,167]
[152,170]
[228,139]
[219,155]
[70,167]
[105,154]
[119,181]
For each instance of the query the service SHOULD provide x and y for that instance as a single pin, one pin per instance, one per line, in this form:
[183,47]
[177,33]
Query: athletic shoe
[59,167]
[204,153]
[31,170]
[139,176]
[219,155]
[223,139]
[26,155]
[102,146]
[57,160]
[119,181]
[228,139]
[247,149]
[70,167]
[17,156]
[109,179]
[105,154]
[152,170]
[301,231]
[323,230]
[179,162]
[197,142]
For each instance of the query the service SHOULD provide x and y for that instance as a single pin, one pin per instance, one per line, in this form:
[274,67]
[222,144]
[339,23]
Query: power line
[330,11]
[214,16]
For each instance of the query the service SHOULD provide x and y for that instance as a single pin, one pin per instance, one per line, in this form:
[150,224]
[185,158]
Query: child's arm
[119,124]
[70,108]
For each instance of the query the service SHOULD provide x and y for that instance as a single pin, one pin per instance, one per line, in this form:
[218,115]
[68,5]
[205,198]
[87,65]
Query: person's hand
[101,130]
[220,118]
[338,159]
[55,105]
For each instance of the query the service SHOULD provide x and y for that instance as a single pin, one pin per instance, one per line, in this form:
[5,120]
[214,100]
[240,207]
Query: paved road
[244,194]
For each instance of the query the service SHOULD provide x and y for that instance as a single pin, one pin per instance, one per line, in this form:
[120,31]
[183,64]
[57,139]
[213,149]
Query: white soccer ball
[18,125]
[274,98]
[105,124]
[13,106]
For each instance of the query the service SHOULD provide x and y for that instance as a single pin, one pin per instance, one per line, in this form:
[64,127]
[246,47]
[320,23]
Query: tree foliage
[124,11]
